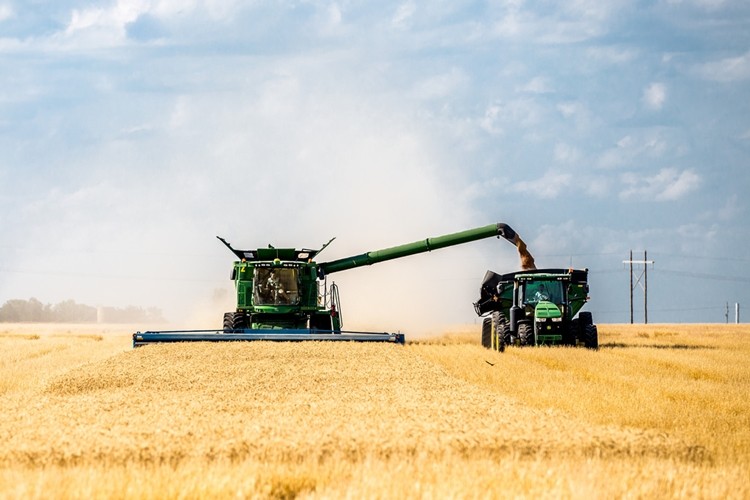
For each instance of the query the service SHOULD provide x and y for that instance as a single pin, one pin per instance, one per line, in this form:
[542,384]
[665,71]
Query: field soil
[658,411]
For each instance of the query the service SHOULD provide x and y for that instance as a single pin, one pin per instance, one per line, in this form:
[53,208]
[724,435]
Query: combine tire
[526,334]
[228,321]
[234,321]
[487,333]
[590,337]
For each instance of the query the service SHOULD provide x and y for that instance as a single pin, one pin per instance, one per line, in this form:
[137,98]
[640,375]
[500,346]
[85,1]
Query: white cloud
[568,109]
[537,85]
[442,85]
[655,95]
[98,27]
[218,10]
[578,115]
[611,55]
[730,69]
[573,22]
[731,208]
[704,4]
[404,14]
[489,122]
[334,14]
[550,185]
[499,116]
[598,187]
[6,12]
[629,149]
[564,153]
[102,27]
[668,184]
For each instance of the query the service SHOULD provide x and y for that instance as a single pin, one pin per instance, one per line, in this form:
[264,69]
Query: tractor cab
[534,292]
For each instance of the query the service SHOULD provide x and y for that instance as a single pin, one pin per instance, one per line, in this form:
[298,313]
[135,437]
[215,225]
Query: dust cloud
[289,164]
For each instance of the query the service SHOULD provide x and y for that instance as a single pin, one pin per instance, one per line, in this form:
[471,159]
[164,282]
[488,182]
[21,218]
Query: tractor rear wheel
[591,337]
[500,331]
[585,318]
[526,334]
[487,333]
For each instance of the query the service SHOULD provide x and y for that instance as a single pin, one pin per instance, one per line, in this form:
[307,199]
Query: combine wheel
[526,334]
[241,320]
[234,321]
[590,337]
[228,322]
[487,333]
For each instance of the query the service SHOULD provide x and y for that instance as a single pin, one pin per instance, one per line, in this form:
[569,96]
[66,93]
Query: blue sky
[132,132]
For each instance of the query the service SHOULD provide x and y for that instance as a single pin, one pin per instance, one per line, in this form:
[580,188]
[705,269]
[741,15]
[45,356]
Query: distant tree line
[68,311]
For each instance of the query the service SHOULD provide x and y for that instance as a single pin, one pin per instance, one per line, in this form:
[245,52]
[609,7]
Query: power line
[703,257]
[705,276]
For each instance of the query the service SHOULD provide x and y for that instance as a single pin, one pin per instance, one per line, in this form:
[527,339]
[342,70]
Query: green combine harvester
[536,307]
[283,293]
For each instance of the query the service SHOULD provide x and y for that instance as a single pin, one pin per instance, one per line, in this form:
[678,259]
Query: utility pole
[644,286]
[726,313]
[630,261]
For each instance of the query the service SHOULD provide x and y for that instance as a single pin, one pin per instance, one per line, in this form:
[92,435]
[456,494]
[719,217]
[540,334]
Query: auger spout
[366,259]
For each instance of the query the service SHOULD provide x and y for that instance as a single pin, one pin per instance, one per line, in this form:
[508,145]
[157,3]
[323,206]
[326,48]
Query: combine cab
[283,293]
[536,307]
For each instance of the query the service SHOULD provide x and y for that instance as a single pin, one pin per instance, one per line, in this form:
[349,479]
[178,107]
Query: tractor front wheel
[571,332]
[526,334]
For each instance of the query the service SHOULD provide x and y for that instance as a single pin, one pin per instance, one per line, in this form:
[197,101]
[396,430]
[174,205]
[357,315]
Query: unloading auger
[283,293]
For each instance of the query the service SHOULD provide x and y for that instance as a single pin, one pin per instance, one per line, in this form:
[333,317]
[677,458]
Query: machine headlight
[557,319]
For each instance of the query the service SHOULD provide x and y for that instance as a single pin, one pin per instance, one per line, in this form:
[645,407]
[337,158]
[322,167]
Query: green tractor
[536,307]
[283,293]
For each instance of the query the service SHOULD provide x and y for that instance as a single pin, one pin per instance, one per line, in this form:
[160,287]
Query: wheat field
[659,411]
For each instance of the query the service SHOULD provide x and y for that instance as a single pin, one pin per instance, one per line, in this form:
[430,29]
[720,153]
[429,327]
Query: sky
[133,132]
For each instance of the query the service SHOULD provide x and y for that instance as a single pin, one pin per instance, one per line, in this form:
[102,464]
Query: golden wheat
[658,411]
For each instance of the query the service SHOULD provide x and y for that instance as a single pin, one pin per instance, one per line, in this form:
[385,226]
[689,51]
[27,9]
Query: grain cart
[283,293]
[536,307]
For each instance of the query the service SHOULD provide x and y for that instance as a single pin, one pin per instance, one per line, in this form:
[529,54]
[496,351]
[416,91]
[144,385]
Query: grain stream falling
[289,402]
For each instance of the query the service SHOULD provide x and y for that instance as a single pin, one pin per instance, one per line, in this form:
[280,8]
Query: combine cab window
[535,292]
[276,286]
